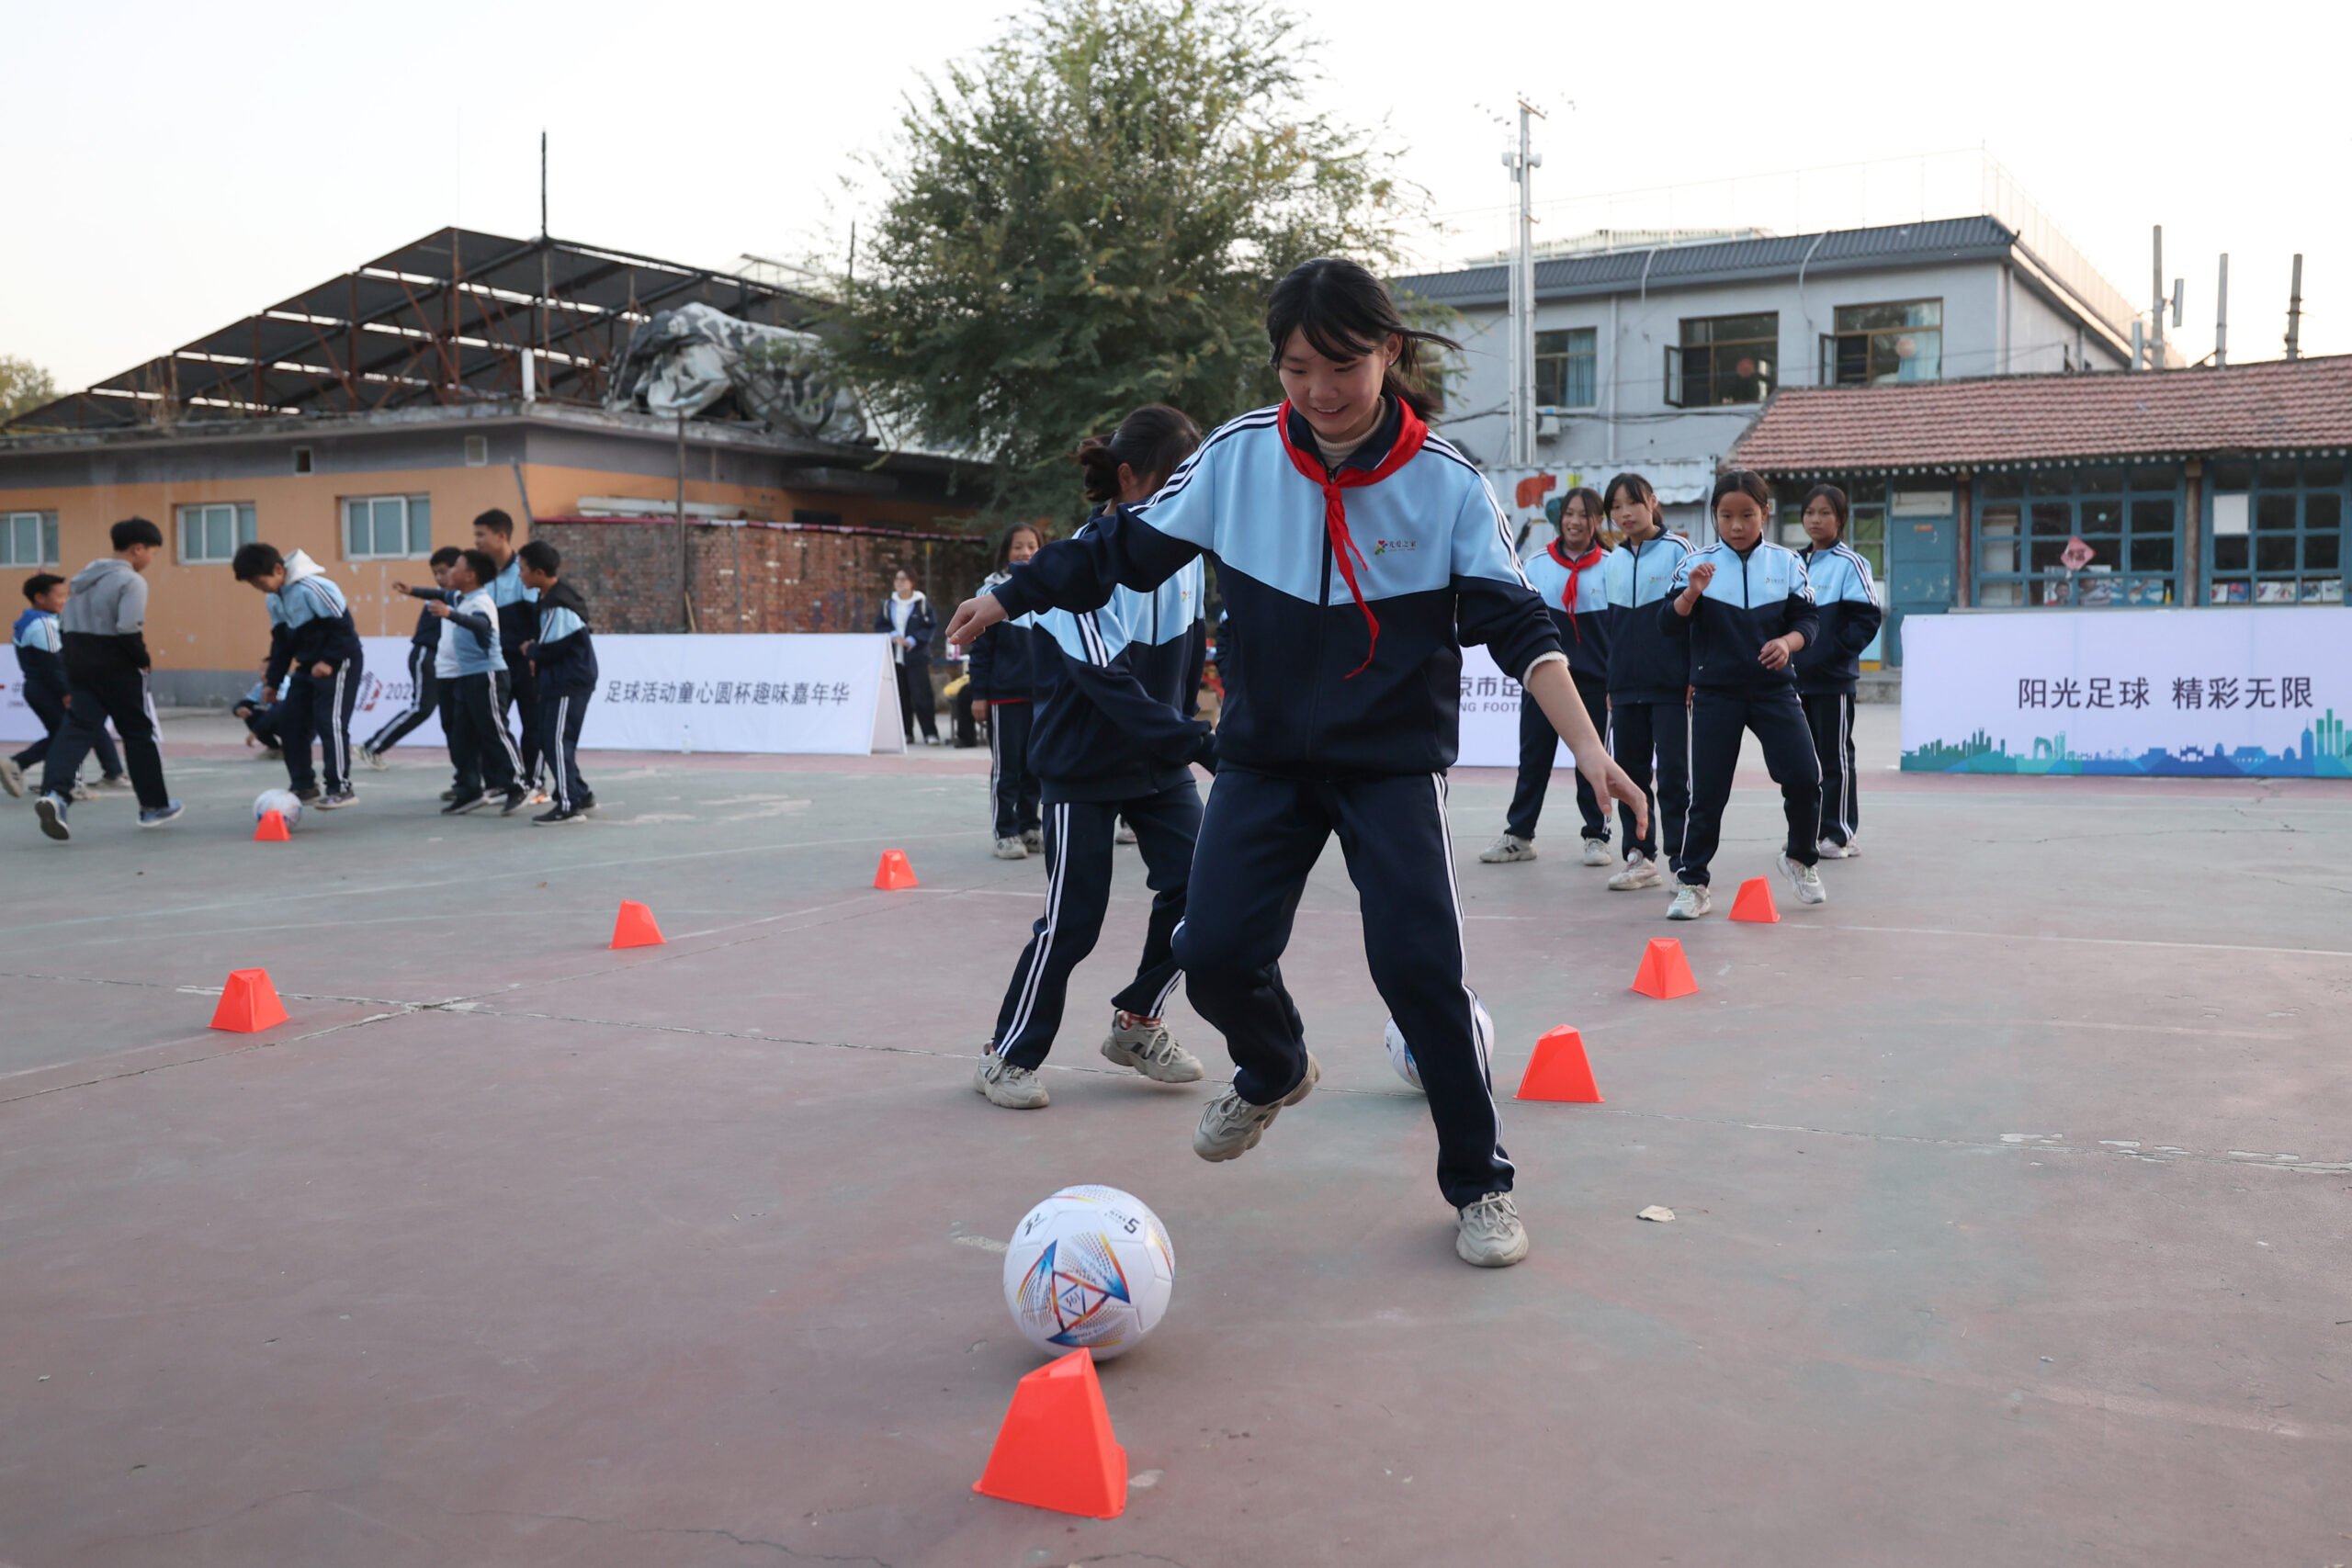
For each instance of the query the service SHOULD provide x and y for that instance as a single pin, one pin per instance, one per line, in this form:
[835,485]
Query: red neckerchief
[1410,434]
[1569,599]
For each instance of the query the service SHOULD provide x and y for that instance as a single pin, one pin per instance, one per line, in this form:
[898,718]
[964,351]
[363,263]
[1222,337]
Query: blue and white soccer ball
[1090,1267]
[285,802]
[1400,1055]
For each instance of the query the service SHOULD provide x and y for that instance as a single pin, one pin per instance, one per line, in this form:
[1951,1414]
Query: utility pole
[2221,317]
[2157,315]
[543,185]
[1522,297]
[2295,311]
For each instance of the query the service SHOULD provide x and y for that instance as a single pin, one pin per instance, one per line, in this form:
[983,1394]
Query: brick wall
[751,579]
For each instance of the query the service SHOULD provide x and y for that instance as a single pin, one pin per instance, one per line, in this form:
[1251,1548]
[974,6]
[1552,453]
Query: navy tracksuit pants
[318,705]
[560,716]
[423,696]
[1830,716]
[473,712]
[1717,721]
[1012,788]
[1259,838]
[1077,892]
[1539,743]
[1638,731]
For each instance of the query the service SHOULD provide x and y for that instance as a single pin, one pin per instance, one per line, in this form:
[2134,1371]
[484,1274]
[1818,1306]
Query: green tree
[24,387]
[1089,217]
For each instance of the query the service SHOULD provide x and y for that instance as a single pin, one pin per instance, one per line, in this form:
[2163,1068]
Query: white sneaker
[1596,851]
[1640,871]
[1033,839]
[1507,848]
[374,759]
[1015,1089]
[1150,1049]
[12,777]
[1829,849]
[1853,845]
[1491,1236]
[1125,835]
[1230,1126]
[1807,879]
[1692,899]
[1011,849]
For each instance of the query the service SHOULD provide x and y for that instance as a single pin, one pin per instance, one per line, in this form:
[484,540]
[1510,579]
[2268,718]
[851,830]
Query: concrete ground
[2011,1194]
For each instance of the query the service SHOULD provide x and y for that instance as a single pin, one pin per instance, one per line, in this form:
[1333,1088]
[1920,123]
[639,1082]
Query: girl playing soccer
[1744,609]
[1566,574]
[1355,552]
[1829,666]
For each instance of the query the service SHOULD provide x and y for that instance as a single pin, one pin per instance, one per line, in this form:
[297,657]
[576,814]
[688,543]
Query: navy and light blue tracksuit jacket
[1646,665]
[563,654]
[518,609]
[1004,663]
[1846,600]
[1320,696]
[310,622]
[1109,721]
[1572,589]
[41,649]
[1751,600]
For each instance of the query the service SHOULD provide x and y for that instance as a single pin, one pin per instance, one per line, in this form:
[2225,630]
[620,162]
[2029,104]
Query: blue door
[1922,564]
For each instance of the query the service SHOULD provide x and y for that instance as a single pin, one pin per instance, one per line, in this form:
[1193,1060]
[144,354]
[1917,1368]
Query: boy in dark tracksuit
[474,690]
[1828,667]
[424,681]
[1566,574]
[1004,676]
[1744,609]
[315,663]
[40,670]
[1110,742]
[518,622]
[1649,679]
[564,661]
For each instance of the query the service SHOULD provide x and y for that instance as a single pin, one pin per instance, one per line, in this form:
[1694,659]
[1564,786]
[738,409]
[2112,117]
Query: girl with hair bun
[1110,742]
[1355,553]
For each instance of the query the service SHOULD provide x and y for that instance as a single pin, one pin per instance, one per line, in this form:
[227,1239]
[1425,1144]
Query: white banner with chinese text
[17,720]
[2203,691]
[1490,716]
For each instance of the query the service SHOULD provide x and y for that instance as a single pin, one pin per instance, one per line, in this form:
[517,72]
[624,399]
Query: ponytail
[1152,443]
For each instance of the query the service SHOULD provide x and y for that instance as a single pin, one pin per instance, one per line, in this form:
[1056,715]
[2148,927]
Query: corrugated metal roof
[2286,405]
[1684,266]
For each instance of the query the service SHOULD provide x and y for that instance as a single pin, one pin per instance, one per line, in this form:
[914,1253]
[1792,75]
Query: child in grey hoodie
[106,661]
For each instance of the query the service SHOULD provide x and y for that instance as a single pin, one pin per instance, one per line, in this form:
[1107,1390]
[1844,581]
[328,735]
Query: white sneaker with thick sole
[1807,879]
[1853,845]
[12,777]
[1640,871]
[374,759]
[1491,1236]
[1596,851]
[1507,848]
[1124,834]
[1145,1045]
[1015,1089]
[1231,1126]
[1011,849]
[1830,849]
[1033,839]
[1692,899]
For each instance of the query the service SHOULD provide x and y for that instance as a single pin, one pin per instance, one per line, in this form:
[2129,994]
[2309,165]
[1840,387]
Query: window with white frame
[387,527]
[210,534]
[28,538]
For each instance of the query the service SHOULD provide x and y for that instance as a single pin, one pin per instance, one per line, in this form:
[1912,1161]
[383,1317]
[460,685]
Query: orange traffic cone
[249,1002]
[1755,902]
[271,828]
[1665,973]
[894,874]
[635,928]
[1558,1070]
[1056,1449]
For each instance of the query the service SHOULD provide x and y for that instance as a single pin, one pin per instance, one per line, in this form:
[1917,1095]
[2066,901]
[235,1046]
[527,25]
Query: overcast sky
[176,167]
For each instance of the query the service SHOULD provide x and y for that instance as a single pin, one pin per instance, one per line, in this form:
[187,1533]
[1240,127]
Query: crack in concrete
[726,1535]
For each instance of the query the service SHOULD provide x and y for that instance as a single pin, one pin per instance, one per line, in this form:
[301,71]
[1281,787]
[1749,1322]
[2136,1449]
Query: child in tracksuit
[1649,678]
[1110,742]
[1744,607]
[564,664]
[261,715]
[1566,574]
[474,688]
[424,678]
[1828,667]
[40,670]
[315,658]
[518,622]
[1355,551]
[1003,689]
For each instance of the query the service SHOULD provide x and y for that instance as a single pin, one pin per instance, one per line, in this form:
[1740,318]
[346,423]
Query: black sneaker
[52,810]
[587,803]
[465,803]
[336,799]
[307,795]
[516,798]
[560,815]
[449,793]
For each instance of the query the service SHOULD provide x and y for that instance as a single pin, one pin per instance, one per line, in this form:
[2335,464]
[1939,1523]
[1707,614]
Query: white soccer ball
[1090,1266]
[285,802]
[1400,1055]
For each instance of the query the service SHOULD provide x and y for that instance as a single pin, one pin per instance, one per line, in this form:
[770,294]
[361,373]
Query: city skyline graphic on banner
[2324,751]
